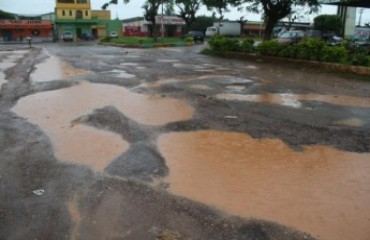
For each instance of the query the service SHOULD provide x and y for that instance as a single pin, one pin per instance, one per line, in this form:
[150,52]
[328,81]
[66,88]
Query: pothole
[55,112]
[321,190]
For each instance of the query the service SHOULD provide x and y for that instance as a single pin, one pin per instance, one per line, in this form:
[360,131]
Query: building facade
[73,16]
[77,17]
[167,26]
[18,30]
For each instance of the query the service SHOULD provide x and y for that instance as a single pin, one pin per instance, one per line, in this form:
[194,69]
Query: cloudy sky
[133,9]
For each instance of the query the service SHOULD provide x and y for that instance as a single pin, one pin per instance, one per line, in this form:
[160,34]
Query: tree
[150,12]
[220,6]
[298,14]
[187,11]
[273,10]
[328,23]
[6,15]
[241,21]
[202,22]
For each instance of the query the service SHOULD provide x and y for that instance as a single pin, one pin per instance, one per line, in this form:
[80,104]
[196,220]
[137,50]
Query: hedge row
[308,49]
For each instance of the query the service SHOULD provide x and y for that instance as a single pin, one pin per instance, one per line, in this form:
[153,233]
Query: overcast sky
[133,9]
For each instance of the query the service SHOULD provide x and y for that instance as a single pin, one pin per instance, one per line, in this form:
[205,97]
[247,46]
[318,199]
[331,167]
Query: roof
[134,19]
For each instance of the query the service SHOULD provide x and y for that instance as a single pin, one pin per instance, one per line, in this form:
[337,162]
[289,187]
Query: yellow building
[77,18]
[74,16]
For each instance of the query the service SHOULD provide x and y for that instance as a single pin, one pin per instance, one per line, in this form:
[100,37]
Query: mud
[131,199]
[319,189]
[8,60]
[52,68]
[58,113]
[353,122]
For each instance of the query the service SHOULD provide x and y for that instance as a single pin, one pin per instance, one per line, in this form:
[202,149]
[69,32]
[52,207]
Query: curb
[146,45]
[314,64]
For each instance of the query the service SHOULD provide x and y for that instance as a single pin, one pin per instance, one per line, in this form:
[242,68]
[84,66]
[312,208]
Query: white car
[67,37]
[211,31]
[113,34]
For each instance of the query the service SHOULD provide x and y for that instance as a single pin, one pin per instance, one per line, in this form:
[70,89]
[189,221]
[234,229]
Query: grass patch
[147,41]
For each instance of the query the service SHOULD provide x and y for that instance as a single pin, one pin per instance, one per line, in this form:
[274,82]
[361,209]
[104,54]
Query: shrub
[189,39]
[270,48]
[289,51]
[247,45]
[359,56]
[106,39]
[310,49]
[336,54]
[224,44]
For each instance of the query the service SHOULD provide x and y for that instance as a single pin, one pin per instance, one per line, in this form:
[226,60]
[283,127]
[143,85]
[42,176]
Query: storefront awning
[25,24]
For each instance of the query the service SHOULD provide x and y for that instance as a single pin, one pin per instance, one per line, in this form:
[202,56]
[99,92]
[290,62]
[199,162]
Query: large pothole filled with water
[321,190]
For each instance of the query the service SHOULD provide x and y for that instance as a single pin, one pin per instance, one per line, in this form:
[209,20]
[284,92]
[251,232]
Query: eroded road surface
[108,143]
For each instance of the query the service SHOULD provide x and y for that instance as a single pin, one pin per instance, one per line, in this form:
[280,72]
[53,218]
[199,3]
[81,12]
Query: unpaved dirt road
[108,143]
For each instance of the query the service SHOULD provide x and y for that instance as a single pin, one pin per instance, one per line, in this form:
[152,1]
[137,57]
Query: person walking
[29,40]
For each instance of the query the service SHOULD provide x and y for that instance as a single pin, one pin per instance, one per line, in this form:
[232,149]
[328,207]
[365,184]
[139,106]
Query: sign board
[170,20]
[25,24]
[132,30]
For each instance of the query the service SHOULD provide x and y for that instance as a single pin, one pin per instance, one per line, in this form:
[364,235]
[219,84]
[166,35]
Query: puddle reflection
[53,68]
[294,100]
[321,190]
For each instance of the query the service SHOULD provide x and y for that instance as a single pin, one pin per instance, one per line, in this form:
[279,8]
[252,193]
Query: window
[81,1]
[70,12]
[79,14]
[63,13]
[87,13]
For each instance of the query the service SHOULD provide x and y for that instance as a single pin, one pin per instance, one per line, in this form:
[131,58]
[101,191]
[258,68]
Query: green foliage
[6,15]
[270,48]
[310,49]
[202,22]
[359,56]
[106,39]
[289,51]
[224,44]
[335,54]
[247,45]
[328,23]
[189,39]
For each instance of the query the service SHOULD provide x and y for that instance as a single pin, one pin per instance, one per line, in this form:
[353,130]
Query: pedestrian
[29,39]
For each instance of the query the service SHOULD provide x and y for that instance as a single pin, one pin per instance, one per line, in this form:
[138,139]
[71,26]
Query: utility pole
[360,18]
[162,27]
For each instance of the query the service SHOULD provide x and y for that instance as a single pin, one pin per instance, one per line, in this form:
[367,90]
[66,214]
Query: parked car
[198,36]
[87,36]
[113,34]
[67,37]
[336,41]
[291,37]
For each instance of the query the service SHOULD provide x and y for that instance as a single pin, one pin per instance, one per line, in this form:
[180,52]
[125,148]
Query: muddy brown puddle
[321,190]
[55,111]
[52,68]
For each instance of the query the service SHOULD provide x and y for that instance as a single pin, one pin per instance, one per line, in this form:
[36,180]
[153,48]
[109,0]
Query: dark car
[87,37]
[198,36]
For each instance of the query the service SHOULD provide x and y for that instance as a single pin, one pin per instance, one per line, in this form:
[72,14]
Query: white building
[171,26]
